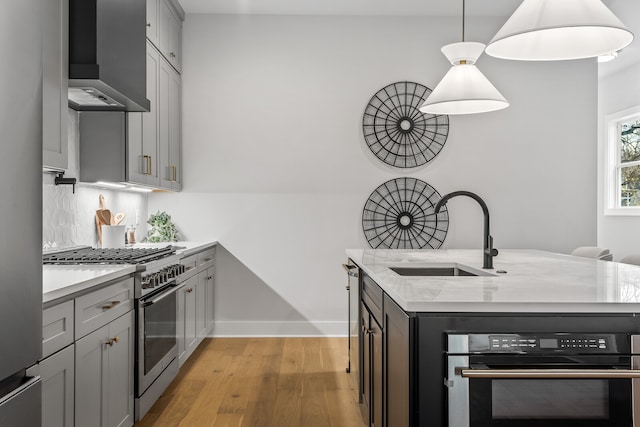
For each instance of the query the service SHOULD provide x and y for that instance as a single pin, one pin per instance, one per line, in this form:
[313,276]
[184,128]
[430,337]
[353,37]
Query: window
[622,183]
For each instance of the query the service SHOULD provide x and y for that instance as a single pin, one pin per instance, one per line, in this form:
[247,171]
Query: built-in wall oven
[550,380]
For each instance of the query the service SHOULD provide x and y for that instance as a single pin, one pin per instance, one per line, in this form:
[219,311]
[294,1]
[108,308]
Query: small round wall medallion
[400,214]
[397,132]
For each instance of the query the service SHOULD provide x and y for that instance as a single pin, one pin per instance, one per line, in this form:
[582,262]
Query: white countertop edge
[72,289]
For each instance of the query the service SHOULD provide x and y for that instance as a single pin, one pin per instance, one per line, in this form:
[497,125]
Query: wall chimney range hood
[107,55]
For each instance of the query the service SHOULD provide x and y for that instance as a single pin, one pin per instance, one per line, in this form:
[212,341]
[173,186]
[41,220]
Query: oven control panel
[543,343]
[520,342]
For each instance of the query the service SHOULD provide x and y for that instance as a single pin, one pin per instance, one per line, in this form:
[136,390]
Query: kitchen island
[412,308]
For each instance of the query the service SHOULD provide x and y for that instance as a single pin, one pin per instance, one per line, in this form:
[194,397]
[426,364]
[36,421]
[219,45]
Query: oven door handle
[550,373]
[162,296]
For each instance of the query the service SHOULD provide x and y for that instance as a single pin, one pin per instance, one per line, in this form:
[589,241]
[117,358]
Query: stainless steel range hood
[107,55]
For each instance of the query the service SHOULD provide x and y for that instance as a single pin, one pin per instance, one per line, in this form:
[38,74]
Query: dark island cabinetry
[405,379]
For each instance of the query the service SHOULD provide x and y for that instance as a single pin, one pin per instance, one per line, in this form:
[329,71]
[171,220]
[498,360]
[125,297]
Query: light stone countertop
[535,282]
[63,281]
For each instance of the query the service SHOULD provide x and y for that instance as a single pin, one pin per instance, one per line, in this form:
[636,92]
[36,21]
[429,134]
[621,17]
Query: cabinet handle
[174,172]
[171,54]
[113,341]
[189,290]
[367,330]
[149,163]
[110,305]
[149,24]
[210,277]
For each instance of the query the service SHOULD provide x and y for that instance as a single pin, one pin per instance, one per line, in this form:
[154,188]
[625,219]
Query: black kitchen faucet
[489,251]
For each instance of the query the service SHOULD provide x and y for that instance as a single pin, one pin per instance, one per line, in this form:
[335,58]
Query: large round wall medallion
[397,132]
[400,214]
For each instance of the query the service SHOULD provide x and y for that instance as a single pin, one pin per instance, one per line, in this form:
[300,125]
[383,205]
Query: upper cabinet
[164,29]
[55,62]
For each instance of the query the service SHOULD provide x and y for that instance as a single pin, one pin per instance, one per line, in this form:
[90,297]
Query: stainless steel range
[158,277]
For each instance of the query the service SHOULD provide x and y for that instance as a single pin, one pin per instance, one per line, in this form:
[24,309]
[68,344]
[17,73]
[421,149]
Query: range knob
[171,272]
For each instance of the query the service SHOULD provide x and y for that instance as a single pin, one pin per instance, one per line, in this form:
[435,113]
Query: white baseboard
[259,328]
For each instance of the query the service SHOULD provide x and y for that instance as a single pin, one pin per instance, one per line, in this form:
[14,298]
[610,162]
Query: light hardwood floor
[252,382]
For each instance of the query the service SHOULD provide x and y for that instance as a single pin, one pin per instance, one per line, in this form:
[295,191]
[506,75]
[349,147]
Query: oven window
[159,330]
[550,402]
[550,399]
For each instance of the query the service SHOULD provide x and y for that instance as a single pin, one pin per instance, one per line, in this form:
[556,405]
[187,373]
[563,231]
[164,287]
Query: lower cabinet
[208,315]
[372,369]
[397,362]
[104,375]
[57,372]
[187,324]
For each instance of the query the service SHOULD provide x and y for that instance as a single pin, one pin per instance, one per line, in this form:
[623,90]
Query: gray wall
[277,170]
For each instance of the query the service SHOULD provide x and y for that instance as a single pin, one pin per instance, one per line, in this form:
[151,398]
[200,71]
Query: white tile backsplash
[69,219]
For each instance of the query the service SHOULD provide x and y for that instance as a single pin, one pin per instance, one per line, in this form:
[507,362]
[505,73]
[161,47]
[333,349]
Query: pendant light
[464,89]
[550,30]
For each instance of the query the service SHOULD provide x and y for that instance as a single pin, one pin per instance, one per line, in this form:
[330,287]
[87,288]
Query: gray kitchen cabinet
[209,300]
[142,131]
[188,310]
[55,64]
[201,303]
[152,21]
[170,123]
[170,32]
[57,372]
[104,375]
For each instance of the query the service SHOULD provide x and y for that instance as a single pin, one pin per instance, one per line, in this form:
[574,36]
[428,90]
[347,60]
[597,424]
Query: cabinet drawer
[102,306]
[57,328]
[371,290]
[206,257]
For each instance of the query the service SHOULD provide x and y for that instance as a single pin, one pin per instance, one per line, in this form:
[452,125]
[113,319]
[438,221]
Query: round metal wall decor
[400,214]
[397,132]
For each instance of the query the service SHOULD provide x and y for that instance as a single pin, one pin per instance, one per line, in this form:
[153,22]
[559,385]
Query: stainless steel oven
[157,337]
[550,380]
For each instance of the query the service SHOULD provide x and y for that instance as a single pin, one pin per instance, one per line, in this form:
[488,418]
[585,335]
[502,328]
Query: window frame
[612,197]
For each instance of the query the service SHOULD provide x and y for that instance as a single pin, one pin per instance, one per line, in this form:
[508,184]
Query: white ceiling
[627,10]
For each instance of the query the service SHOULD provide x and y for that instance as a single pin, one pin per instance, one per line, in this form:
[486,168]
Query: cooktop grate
[107,256]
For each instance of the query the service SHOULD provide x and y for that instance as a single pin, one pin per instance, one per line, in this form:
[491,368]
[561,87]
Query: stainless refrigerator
[20,212]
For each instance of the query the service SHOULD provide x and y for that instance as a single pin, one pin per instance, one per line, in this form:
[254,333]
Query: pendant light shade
[464,89]
[550,30]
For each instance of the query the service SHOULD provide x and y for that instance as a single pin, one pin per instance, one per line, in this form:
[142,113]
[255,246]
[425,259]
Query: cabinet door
[376,374]
[190,326]
[175,131]
[142,131]
[365,398]
[170,37]
[91,387]
[397,363]
[209,300]
[152,21]
[55,63]
[170,122]
[119,374]
[201,303]
[180,324]
[57,373]
[104,375]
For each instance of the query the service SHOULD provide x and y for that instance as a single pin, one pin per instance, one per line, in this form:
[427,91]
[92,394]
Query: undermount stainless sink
[439,271]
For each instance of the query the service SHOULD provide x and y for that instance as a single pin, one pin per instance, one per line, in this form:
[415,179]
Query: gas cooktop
[88,255]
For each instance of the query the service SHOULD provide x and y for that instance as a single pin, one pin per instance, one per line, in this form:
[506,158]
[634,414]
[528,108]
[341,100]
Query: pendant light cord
[463,1]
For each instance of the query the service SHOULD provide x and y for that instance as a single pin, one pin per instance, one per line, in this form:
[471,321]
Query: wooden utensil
[117,218]
[103,217]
